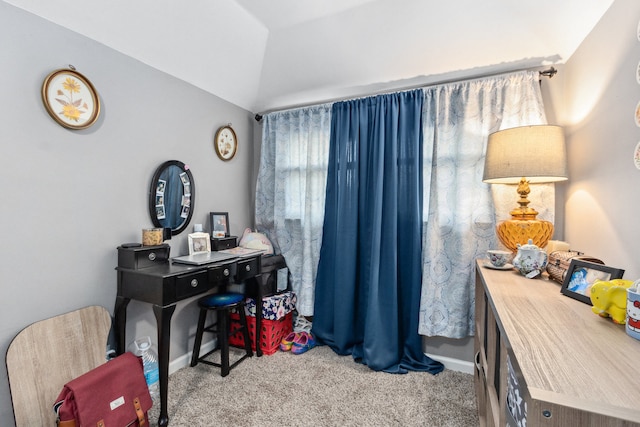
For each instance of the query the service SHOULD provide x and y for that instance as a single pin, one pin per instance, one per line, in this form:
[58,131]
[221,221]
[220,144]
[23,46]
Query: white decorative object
[557,245]
[498,258]
[530,260]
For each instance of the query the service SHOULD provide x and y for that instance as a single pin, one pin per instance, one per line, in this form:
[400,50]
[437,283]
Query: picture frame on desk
[199,242]
[219,222]
[582,274]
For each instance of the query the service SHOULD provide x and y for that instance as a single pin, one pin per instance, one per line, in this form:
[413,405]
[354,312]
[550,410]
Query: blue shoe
[303,342]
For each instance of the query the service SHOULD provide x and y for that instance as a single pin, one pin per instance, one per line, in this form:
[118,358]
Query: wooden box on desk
[136,257]
[221,243]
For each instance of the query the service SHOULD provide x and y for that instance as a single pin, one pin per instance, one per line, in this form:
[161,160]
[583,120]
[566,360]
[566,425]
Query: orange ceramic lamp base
[518,231]
[523,224]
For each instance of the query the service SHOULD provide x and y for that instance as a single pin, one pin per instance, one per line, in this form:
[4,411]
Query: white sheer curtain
[290,191]
[458,207]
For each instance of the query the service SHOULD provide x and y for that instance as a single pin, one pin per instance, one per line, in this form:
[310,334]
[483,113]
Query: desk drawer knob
[152,256]
[226,272]
[194,283]
[247,267]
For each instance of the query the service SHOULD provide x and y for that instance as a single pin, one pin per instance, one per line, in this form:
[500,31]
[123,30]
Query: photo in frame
[219,222]
[582,274]
[199,242]
[70,99]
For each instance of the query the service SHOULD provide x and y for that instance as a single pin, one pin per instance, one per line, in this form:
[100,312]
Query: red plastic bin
[272,332]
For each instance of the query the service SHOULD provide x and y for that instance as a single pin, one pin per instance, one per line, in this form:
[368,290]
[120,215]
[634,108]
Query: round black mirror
[171,196]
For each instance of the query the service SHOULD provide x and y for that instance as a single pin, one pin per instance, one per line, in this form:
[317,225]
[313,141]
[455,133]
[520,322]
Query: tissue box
[274,307]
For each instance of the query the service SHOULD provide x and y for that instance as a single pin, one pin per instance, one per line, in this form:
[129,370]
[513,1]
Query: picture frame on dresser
[581,275]
[199,242]
[219,222]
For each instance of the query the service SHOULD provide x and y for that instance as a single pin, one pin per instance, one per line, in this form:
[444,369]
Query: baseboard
[453,364]
[449,362]
[185,359]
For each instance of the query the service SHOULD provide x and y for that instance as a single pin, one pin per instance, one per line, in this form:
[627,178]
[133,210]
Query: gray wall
[71,197]
[595,98]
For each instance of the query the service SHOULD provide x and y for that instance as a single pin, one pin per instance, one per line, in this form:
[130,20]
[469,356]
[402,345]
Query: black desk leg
[120,323]
[163,320]
[258,295]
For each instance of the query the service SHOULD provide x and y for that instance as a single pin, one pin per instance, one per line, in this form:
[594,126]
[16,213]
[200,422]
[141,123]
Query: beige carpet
[318,388]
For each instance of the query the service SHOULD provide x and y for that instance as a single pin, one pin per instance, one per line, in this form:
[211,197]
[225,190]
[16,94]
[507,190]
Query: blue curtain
[369,274]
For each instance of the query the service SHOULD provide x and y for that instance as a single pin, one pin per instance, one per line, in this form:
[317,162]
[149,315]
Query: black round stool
[222,304]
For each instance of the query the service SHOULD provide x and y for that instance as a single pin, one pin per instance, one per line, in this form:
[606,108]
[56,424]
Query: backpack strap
[139,412]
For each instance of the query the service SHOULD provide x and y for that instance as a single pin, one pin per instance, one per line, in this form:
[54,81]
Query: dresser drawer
[248,268]
[222,272]
[218,244]
[137,257]
[191,284]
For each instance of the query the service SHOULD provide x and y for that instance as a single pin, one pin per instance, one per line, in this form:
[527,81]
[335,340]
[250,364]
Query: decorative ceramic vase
[530,260]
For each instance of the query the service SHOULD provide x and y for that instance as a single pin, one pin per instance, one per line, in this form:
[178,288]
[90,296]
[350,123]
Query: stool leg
[245,330]
[223,338]
[198,341]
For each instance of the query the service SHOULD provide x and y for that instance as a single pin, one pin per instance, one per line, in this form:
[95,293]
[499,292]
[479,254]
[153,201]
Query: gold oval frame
[225,155]
[58,90]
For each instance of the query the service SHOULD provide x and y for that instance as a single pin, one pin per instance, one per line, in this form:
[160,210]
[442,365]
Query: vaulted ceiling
[272,54]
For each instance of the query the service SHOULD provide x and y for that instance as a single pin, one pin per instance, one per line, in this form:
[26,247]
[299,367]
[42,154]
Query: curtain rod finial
[549,72]
[258,117]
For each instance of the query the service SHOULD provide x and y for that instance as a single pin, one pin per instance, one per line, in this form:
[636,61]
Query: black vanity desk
[163,285]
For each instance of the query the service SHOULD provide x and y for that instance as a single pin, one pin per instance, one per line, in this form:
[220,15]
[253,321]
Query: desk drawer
[221,273]
[191,284]
[248,268]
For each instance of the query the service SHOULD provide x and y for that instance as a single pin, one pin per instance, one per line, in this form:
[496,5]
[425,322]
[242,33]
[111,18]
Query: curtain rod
[549,72]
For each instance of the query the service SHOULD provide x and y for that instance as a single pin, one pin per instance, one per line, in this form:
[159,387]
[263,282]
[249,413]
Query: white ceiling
[264,55]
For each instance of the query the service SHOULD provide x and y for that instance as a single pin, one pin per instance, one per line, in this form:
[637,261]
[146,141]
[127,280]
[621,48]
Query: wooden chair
[46,355]
[222,304]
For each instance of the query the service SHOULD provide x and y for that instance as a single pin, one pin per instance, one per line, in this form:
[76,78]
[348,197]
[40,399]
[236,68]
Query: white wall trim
[185,359]
[453,364]
[449,362]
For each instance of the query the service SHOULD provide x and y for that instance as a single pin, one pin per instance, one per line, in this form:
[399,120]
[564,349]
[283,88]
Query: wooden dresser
[547,359]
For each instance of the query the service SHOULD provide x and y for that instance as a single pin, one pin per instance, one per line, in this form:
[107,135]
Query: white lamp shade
[537,153]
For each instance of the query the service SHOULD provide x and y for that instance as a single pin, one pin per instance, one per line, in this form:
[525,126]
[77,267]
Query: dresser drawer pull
[247,267]
[152,256]
[194,283]
[226,272]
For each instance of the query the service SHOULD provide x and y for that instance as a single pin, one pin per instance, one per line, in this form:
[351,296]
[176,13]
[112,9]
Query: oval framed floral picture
[70,99]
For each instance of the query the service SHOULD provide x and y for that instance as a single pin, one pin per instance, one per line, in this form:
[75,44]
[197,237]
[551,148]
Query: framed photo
[226,142]
[199,242]
[219,224]
[70,99]
[582,274]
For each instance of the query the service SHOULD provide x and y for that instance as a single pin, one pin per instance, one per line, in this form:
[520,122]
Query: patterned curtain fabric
[458,208]
[290,191]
